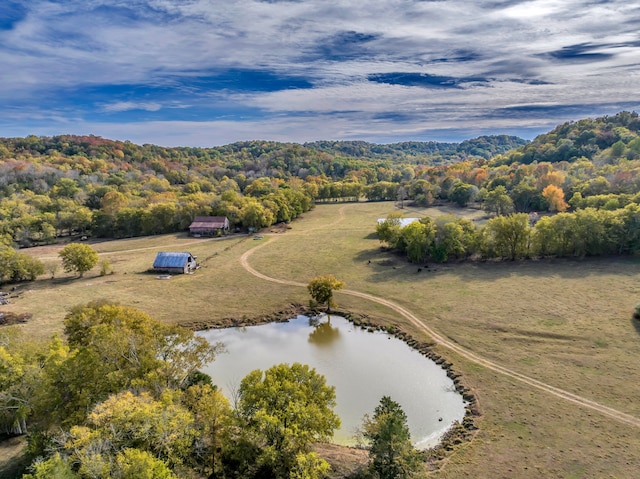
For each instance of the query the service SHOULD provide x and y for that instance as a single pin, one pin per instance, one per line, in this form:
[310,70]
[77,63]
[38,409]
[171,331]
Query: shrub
[105,267]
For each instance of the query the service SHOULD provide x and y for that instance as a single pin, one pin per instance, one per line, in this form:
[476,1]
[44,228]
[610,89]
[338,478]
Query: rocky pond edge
[458,434]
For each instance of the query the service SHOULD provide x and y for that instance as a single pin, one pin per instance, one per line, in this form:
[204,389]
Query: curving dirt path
[465,353]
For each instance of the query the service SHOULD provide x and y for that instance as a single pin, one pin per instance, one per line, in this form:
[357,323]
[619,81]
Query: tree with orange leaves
[555,197]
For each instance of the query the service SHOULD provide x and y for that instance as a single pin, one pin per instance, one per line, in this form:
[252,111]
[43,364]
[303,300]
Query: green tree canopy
[287,408]
[391,454]
[463,193]
[15,266]
[417,238]
[497,201]
[78,257]
[19,379]
[389,229]
[112,348]
[508,236]
[213,419]
[321,289]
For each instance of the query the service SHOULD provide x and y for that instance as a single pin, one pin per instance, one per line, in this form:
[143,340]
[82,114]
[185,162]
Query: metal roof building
[170,262]
[208,225]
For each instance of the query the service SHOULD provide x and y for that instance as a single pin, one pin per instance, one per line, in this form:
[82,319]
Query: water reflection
[363,366]
[323,333]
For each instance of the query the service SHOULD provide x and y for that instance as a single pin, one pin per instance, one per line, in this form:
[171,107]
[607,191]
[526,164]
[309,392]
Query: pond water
[363,367]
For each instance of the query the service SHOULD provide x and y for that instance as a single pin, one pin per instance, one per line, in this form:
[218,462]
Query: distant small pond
[362,366]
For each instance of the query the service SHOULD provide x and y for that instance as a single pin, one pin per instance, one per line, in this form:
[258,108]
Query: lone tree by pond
[78,257]
[321,289]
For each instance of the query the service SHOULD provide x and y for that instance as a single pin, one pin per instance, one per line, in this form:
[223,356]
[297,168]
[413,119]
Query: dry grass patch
[564,322]
[221,288]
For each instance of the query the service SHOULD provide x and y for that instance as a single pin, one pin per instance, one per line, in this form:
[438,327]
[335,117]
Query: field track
[443,341]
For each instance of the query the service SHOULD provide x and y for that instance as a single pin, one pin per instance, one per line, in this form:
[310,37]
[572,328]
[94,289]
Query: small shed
[209,225]
[177,263]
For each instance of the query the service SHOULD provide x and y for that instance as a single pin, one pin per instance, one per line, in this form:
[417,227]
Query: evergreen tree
[391,454]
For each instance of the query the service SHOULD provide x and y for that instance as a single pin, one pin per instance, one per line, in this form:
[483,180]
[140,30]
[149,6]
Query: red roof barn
[209,225]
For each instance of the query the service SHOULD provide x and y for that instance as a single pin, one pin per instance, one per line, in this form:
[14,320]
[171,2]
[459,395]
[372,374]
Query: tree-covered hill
[603,139]
[484,147]
[262,158]
[86,185]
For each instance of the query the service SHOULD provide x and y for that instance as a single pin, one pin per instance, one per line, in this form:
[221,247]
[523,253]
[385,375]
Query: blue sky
[211,72]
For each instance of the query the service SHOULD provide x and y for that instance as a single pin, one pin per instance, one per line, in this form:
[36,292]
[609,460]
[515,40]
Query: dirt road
[467,354]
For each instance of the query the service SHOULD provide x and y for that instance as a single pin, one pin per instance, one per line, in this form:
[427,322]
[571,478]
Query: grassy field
[566,323]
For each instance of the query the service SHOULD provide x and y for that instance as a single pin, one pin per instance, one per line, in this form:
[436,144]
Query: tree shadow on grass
[565,268]
[636,323]
[63,281]
[494,270]
[375,254]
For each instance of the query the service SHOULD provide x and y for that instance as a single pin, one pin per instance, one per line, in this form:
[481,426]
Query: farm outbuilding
[177,263]
[209,225]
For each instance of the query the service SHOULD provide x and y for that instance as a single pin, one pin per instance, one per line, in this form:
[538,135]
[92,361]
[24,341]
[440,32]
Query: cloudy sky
[211,72]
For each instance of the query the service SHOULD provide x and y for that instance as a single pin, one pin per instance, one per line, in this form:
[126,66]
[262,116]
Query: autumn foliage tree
[321,289]
[163,427]
[555,197]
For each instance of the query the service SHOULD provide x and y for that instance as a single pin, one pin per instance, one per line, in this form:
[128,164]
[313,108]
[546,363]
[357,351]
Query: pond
[363,366]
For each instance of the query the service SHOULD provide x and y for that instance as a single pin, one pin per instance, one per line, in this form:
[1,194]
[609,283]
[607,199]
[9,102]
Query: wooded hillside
[85,185]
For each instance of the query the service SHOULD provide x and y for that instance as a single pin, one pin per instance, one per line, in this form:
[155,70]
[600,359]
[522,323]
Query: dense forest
[579,185]
[67,185]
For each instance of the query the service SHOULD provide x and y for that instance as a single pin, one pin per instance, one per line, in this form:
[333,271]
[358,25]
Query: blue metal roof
[171,260]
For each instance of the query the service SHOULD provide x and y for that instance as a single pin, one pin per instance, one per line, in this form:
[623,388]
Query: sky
[212,72]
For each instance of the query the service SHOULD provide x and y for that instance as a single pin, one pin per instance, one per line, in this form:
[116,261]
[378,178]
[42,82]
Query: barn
[209,225]
[177,263]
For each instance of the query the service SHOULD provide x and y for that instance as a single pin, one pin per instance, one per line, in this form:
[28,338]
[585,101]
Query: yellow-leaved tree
[555,197]
[321,289]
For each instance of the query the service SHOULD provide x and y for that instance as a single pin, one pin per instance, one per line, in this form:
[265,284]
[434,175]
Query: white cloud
[130,105]
[64,47]
[534,9]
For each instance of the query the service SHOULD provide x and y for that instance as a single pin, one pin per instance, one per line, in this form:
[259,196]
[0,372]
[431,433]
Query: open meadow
[564,323]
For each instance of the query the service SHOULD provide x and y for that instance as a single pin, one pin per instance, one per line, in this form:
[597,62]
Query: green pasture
[566,323]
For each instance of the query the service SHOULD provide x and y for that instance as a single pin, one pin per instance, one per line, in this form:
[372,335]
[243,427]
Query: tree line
[585,232]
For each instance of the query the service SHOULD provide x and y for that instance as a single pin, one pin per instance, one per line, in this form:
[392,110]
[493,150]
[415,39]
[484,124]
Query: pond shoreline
[457,435]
